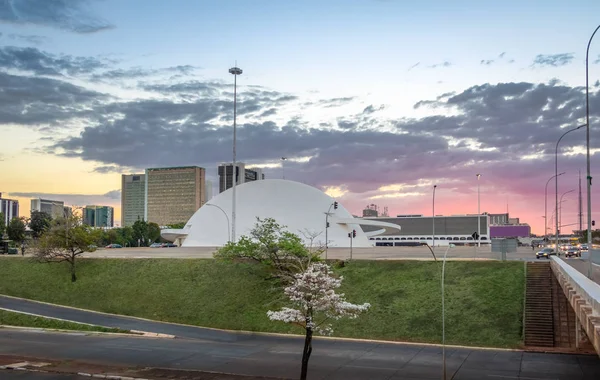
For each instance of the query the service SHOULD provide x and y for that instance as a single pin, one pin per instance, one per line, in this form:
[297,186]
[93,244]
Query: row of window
[429,238]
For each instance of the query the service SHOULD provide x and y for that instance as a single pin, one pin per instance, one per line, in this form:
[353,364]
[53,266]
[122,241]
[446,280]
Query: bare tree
[65,241]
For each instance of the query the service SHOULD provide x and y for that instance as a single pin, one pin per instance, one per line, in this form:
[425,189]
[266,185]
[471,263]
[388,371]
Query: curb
[114,377]
[44,329]
[256,333]
[134,332]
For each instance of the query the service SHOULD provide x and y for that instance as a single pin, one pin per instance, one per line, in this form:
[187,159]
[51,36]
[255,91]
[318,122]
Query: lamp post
[478,213]
[546,204]
[587,139]
[226,217]
[235,71]
[560,207]
[282,166]
[556,175]
[433,213]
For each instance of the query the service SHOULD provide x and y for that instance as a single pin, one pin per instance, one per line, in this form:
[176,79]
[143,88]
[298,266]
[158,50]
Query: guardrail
[583,295]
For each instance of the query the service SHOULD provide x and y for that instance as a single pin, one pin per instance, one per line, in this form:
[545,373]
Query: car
[573,252]
[155,245]
[168,245]
[114,246]
[545,252]
[583,247]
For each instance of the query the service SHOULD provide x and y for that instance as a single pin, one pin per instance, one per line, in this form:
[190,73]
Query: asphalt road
[26,375]
[280,357]
[257,354]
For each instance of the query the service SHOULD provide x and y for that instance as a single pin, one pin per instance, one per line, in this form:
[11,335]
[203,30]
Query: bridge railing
[583,294]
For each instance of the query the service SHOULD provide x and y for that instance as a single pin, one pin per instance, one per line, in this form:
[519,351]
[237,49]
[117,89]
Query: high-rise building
[174,194]
[56,209]
[226,175]
[133,198]
[9,208]
[99,216]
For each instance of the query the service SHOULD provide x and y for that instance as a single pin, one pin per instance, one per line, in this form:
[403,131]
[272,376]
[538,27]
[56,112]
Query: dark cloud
[371,109]
[414,66]
[113,194]
[336,102]
[28,38]
[32,60]
[72,15]
[554,60]
[498,59]
[487,62]
[139,72]
[38,101]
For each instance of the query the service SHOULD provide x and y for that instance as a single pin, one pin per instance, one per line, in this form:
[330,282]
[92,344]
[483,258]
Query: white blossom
[313,293]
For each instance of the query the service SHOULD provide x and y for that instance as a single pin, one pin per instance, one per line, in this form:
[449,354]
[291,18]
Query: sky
[372,101]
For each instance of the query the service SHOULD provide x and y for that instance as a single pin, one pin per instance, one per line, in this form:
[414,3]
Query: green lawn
[484,300]
[17,319]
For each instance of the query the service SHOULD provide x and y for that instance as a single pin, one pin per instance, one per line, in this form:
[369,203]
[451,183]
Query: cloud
[28,38]
[498,59]
[441,64]
[139,72]
[598,59]
[112,198]
[554,60]
[336,102]
[414,66]
[72,15]
[34,61]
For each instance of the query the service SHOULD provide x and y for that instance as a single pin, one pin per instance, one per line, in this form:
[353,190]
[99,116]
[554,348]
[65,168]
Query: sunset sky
[373,101]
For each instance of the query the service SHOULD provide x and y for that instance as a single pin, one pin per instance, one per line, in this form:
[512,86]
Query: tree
[153,232]
[2,225]
[39,223]
[16,230]
[270,244]
[313,294]
[65,241]
[177,226]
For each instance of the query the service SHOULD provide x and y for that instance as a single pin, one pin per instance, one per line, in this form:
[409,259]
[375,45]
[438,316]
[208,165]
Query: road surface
[280,357]
[26,375]
[277,356]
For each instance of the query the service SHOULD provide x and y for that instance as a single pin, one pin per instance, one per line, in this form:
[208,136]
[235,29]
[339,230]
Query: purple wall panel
[510,231]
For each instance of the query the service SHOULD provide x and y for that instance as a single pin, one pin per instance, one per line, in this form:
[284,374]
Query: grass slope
[484,300]
[23,320]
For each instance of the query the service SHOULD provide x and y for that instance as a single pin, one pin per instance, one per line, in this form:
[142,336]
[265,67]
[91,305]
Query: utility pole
[580,205]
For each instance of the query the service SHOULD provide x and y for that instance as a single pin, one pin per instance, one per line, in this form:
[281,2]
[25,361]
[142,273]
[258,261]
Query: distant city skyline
[372,101]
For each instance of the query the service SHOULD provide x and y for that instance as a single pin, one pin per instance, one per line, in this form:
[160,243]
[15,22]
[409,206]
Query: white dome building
[297,206]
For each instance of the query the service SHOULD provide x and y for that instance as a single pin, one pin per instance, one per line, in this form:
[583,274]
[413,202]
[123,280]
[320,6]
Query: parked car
[573,252]
[155,245]
[169,245]
[114,246]
[545,252]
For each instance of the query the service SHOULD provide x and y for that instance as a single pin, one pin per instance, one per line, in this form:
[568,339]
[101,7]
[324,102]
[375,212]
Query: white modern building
[299,207]
[56,209]
[9,208]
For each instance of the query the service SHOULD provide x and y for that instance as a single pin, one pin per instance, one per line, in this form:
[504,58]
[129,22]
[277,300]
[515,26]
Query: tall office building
[9,208]
[174,194]
[99,216]
[56,209]
[226,175]
[133,198]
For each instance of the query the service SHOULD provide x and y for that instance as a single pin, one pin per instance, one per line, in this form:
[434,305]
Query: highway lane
[280,357]
[26,375]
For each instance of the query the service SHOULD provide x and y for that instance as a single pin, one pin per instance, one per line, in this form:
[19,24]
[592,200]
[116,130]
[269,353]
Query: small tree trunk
[306,353]
[73,275]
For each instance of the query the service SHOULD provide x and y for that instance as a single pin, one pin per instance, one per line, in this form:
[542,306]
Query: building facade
[174,194]
[133,198]
[498,219]
[416,229]
[56,209]
[510,231]
[99,216]
[9,208]
[209,190]
[225,172]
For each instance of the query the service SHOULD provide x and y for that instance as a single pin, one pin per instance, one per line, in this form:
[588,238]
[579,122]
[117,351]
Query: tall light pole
[478,213]
[235,71]
[556,176]
[282,166]
[546,204]
[559,218]
[587,139]
[433,213]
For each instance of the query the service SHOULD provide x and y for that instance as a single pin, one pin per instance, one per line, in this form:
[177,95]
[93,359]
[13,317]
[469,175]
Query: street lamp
[226,217]
[433,213]
[282,166]
[546,205]
[478,213]
[235,71]
[589,174]
[556,175]
[559,218]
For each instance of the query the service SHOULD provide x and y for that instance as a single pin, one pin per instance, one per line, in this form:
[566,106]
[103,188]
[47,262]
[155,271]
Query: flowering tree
[317,304]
